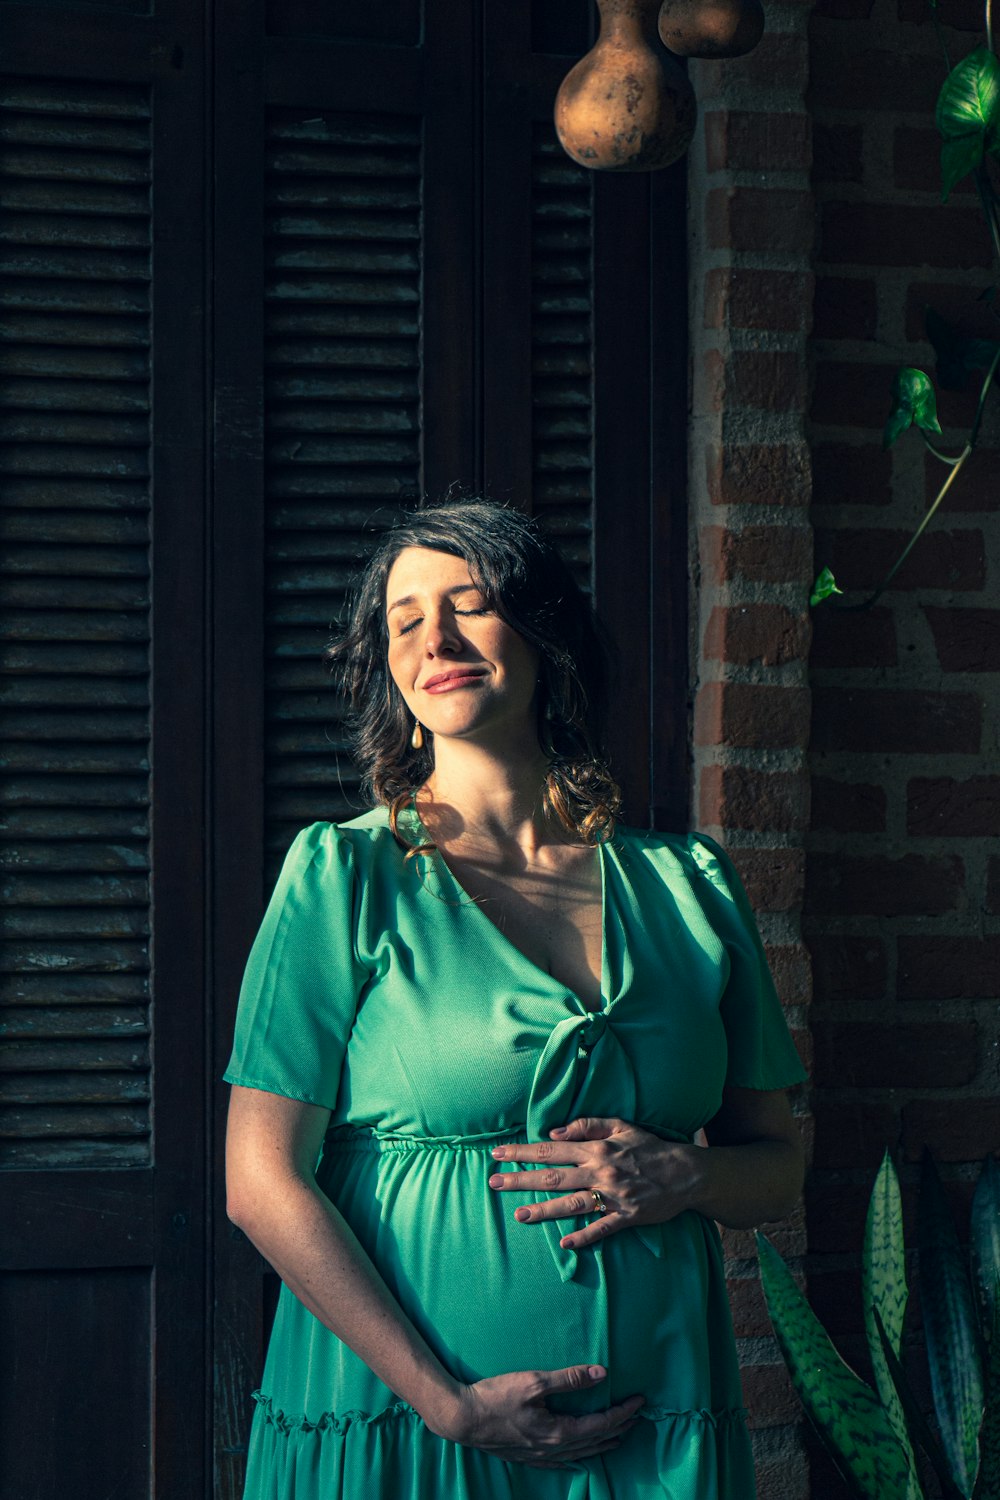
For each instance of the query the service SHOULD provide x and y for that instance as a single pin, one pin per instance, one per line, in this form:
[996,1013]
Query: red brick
[751,716]
[771,1401]
[787,1236]
[850,1133]
[967,640]
[955,1130]
[942,805]
[791,971]
[749,633]
[865,638]
[852,394]
[977,488]
[993,886]
[737,297]
[844,10]
[858,885]
[961,15]
[916,159]
[759,554]
[939,560]
[766,380]
[851,474]
[928,1054]
[746,1301]
[846,967]
[778,54]
[847,806]
[835,1215]
[904,722]
[774,878]
[837,152]
[737,797]
[709,382]
[748,218]
[845,308]
[896,234]
[842,75]
[949,967]
[784,1474]
[757,141]
[755,474]
[835,1298]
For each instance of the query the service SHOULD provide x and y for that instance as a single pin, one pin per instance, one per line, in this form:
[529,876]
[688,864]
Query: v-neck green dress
[377,989]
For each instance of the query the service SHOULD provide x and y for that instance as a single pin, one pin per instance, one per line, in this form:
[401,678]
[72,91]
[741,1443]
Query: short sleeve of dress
[303,977]
[761,1052]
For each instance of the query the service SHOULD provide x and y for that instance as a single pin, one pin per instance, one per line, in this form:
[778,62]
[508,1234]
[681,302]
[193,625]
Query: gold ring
[600,1207]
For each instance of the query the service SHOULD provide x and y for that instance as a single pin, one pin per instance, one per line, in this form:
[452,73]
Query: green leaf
[824,586]
[966,114]
[847,1412]
[917,1424]
[988,1479]
[884,1295]
[913,401]
[953,1345]
[984,1242]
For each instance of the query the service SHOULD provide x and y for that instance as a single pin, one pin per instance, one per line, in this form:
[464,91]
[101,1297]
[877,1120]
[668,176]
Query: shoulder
[691,857]
[349,845]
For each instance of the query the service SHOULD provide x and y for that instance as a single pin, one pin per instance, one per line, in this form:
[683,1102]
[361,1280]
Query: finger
[598,1229]
[569,1207]
[538,1182]
[538,1151]
[588,1128]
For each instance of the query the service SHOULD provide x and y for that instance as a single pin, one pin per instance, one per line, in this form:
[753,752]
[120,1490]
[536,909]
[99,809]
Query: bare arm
[753,1168]
[272,1145]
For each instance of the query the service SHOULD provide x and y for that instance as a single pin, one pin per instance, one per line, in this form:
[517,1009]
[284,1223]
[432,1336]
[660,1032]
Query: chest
[554,918]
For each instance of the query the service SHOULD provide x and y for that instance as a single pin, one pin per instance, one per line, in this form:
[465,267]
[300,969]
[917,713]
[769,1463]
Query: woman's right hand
[506,1416]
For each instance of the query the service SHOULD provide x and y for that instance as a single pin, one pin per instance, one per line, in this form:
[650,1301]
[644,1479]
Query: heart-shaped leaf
[824,586]
[913,402]
[967,114]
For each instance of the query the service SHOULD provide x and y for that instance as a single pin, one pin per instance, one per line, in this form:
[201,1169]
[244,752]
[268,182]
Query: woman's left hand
[642,1178]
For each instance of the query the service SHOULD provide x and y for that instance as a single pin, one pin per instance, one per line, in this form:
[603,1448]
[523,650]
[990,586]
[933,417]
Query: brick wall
[854,776]
[752,229]
[900,915]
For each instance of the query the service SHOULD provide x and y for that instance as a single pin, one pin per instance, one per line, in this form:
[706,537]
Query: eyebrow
[459,588]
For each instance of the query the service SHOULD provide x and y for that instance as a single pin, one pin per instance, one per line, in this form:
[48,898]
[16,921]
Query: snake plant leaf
[847,1413]
[913,401]
[884,1295]
[824,586]
[921,1434]
[951,1327]
[967,114]
[984,1242]
[988,1479]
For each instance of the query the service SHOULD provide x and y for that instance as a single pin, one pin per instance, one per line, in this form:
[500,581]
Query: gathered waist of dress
[346,1137]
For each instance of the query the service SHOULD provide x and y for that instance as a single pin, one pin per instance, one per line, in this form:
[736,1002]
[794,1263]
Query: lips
[443,682]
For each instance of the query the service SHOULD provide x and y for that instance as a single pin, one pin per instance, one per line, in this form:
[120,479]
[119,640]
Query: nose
[441,635]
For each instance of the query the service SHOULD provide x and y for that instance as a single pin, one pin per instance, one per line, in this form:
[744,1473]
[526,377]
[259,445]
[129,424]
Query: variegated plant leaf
[884,1295]
[846,1411]
[921,1435]
[954,1352]
[984,1240]
[988,1479]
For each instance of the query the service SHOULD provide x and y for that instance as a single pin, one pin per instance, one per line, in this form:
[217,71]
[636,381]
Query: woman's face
[461,669]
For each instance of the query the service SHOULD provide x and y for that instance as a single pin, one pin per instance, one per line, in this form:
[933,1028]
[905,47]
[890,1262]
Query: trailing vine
[968,121]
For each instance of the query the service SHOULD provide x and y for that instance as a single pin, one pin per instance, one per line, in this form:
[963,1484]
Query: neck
[481,796]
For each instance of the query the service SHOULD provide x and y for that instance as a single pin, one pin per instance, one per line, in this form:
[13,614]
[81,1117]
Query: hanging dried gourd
[626,106]
[711,28]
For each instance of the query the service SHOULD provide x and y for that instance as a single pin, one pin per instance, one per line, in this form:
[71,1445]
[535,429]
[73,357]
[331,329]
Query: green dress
[377,989]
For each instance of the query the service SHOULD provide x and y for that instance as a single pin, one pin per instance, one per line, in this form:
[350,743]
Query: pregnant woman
[480,1028]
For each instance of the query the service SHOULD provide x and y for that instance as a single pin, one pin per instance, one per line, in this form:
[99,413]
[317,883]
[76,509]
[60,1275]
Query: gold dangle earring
[417,737]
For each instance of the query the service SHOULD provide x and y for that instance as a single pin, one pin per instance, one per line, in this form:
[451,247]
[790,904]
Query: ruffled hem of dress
[673,1455]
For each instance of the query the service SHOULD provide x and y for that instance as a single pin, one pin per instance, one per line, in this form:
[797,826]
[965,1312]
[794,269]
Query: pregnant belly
[488,1296]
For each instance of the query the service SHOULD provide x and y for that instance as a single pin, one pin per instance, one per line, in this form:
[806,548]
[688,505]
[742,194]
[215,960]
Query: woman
[502,1277]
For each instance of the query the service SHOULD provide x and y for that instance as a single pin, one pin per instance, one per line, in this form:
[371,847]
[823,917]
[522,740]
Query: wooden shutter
[101,739]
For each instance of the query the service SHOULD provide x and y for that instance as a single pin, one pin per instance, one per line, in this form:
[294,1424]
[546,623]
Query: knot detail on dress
[592,1031]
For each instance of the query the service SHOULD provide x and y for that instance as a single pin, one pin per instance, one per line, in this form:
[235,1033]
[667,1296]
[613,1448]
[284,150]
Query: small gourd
[627,106]
[711,28]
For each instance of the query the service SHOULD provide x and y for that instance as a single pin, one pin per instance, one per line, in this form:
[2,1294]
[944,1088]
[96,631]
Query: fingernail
[559,1130]
[596,1373]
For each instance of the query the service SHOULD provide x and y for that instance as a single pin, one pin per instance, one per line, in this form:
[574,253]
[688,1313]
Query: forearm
[318,1256]
[749,1184]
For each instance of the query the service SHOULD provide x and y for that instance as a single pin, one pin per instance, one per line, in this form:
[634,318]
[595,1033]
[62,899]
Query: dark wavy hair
[523,578]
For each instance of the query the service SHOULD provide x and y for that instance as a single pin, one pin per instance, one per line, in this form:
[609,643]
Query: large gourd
[711,28]
[627,106]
